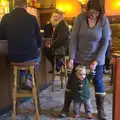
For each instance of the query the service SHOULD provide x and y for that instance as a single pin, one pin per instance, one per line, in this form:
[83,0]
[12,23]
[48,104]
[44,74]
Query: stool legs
[63,73]
[54,72]
[65,69]
[37,94]
[61,77]
[14,94]
[34,91]
[38,101]
[18,106]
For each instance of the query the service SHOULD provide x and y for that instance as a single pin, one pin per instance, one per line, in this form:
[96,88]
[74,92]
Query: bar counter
[6,77]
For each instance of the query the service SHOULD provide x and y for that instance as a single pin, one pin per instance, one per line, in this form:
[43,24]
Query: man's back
[23,35]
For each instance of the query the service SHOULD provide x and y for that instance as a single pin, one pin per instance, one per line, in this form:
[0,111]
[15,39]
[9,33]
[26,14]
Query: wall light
[119,4]
[64,7]
[82,4]
[3,3]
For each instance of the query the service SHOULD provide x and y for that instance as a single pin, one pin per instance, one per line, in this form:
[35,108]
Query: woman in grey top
[89,42]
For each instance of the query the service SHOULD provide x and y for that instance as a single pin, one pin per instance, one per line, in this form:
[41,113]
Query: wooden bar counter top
[6,77]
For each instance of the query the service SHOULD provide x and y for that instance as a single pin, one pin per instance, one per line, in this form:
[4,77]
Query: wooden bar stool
[63,71]
[25,93]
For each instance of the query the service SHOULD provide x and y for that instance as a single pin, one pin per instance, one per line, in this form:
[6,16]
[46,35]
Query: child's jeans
[87,106]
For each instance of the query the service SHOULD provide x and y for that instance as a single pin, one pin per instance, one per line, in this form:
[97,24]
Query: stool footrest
[26,111]
[25,64]
[24,94]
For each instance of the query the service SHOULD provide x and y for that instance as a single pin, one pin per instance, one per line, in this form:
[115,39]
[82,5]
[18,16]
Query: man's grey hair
[20,3]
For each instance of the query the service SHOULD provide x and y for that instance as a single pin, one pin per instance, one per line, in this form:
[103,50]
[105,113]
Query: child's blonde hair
[80,68]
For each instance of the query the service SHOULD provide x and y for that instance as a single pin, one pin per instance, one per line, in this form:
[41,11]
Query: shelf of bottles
[4,7]
[33,3]
[32,8]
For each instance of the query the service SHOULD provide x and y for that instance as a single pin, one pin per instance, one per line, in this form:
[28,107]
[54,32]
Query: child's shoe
[90,117]
[62,115]
[76,116]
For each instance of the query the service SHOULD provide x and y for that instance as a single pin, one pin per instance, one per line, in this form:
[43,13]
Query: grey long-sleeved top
[89,44]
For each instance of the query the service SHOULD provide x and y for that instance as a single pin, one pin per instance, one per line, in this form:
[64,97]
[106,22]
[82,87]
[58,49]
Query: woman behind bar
[88,45]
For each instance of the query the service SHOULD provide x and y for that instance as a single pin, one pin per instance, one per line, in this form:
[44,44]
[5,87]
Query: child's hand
[92,70]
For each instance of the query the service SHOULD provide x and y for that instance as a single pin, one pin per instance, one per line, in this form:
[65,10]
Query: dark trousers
[107,59]
[49,54]
[98,83]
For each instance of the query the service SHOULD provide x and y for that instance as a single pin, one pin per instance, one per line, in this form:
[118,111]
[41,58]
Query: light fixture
[3,3]
[82,4]
[119,3]
[64,7]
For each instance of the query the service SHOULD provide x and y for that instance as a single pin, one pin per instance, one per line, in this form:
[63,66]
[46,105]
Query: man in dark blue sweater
[22,32]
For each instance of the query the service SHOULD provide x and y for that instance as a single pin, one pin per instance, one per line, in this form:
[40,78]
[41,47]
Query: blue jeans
[98,79]
[23,73]
[35,60]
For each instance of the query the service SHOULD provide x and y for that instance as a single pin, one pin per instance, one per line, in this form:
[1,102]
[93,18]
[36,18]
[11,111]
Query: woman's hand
[70,64]
[93,65]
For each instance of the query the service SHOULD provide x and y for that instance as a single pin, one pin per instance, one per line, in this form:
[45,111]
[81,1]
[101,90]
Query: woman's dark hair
[97,5]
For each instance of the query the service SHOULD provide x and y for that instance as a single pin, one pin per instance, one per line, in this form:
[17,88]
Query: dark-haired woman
[88,45]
